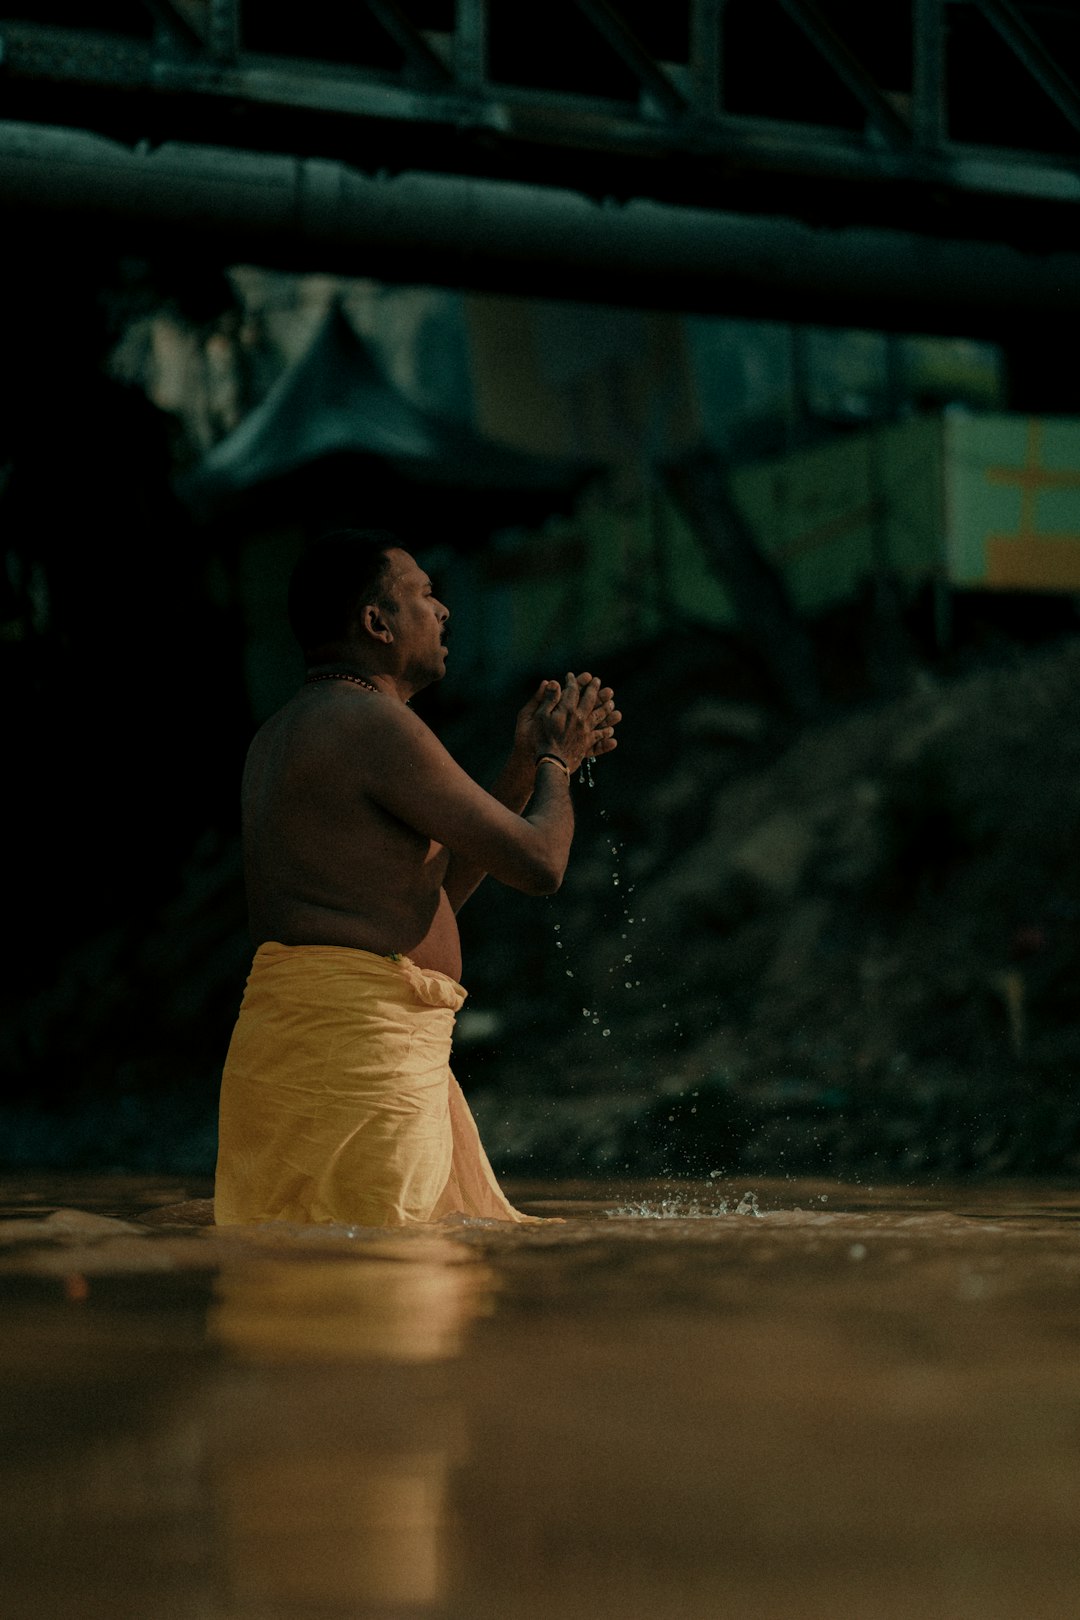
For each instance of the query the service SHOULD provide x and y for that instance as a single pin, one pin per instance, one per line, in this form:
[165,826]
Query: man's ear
[373,622]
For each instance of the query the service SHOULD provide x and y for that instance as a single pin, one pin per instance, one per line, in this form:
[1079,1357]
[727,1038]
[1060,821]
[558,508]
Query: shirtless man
[362,840]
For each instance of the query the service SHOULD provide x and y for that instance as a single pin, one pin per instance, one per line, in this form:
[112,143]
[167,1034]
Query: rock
[775,854]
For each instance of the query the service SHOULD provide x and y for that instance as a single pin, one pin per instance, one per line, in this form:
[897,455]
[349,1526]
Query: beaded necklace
[341,675]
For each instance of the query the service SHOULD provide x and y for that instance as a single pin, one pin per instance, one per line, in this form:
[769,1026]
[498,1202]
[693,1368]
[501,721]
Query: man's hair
[338,574]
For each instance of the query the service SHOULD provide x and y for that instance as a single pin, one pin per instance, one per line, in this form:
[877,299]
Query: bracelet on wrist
[553,759]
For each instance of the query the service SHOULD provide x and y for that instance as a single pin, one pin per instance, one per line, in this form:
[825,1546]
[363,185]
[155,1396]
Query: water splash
[685,1207]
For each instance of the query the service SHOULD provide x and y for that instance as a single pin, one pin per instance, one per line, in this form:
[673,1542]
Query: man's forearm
[515,784]
[513,787]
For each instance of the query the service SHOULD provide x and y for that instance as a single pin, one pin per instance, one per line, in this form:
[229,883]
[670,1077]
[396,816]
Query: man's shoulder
[344,717]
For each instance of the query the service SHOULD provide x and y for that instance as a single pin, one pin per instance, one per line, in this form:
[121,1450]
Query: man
[362,840]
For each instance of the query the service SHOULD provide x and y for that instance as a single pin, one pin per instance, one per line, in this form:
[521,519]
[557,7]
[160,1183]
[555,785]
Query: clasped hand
[575,720]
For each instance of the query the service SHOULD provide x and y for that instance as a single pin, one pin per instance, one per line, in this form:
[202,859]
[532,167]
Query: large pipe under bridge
[315,214]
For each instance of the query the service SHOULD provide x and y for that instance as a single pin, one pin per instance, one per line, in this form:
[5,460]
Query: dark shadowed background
[820,529]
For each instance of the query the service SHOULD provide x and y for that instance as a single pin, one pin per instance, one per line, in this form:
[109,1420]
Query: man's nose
[444,613]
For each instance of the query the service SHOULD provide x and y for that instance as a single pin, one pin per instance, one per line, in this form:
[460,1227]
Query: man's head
[357,594]
[335,579]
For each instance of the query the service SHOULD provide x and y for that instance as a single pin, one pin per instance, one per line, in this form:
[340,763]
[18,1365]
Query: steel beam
[426,67]
[705,55]
[849,70]
[176,24]
[675,142]
[223,36]
[1029,49]
[470,44]
[928,74]
[606,20]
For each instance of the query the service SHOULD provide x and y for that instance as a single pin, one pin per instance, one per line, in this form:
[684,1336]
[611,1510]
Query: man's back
[325,863]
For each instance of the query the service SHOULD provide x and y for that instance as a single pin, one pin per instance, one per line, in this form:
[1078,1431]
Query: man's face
[420,620]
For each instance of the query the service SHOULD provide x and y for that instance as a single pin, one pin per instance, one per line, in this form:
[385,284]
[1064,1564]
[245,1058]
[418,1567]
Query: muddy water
[819,1401]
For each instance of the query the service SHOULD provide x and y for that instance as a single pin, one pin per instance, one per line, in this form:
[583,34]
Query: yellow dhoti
[337,1100]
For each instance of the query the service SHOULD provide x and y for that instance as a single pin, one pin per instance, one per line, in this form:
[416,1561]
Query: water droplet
[857,1251]
[569,975]
[628,985]
[605,1032]
[558,944]
[557,926]
[628,957]
[615,881]
[585,1011]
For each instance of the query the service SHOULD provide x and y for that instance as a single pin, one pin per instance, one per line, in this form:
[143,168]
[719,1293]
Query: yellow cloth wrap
[337,1100]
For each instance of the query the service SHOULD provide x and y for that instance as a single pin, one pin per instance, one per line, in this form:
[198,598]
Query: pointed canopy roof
[334,400]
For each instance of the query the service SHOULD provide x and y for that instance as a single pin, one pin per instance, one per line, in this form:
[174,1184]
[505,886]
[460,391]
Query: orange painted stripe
[1033,477]
[1033,562]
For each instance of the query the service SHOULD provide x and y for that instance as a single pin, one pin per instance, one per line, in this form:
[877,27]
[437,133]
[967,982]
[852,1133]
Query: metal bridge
[912,162]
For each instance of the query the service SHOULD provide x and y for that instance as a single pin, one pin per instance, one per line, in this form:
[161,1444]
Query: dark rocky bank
[842,946]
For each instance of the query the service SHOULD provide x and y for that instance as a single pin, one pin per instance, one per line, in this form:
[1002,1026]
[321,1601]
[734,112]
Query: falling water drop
[605,1032]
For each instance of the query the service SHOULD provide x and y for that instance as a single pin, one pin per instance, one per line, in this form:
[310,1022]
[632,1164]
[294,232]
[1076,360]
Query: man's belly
[441,946]
[430,938]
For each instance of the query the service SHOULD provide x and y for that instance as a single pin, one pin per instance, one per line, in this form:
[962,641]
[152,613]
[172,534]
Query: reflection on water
[407,1301]
[329,1468]
[791,1400]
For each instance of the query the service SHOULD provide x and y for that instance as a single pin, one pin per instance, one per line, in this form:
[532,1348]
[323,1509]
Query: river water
[770,1401]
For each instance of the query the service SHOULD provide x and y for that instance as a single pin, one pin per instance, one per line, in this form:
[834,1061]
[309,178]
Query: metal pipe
[446,230]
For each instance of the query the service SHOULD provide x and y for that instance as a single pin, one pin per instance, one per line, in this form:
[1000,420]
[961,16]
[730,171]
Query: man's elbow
[543,877]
